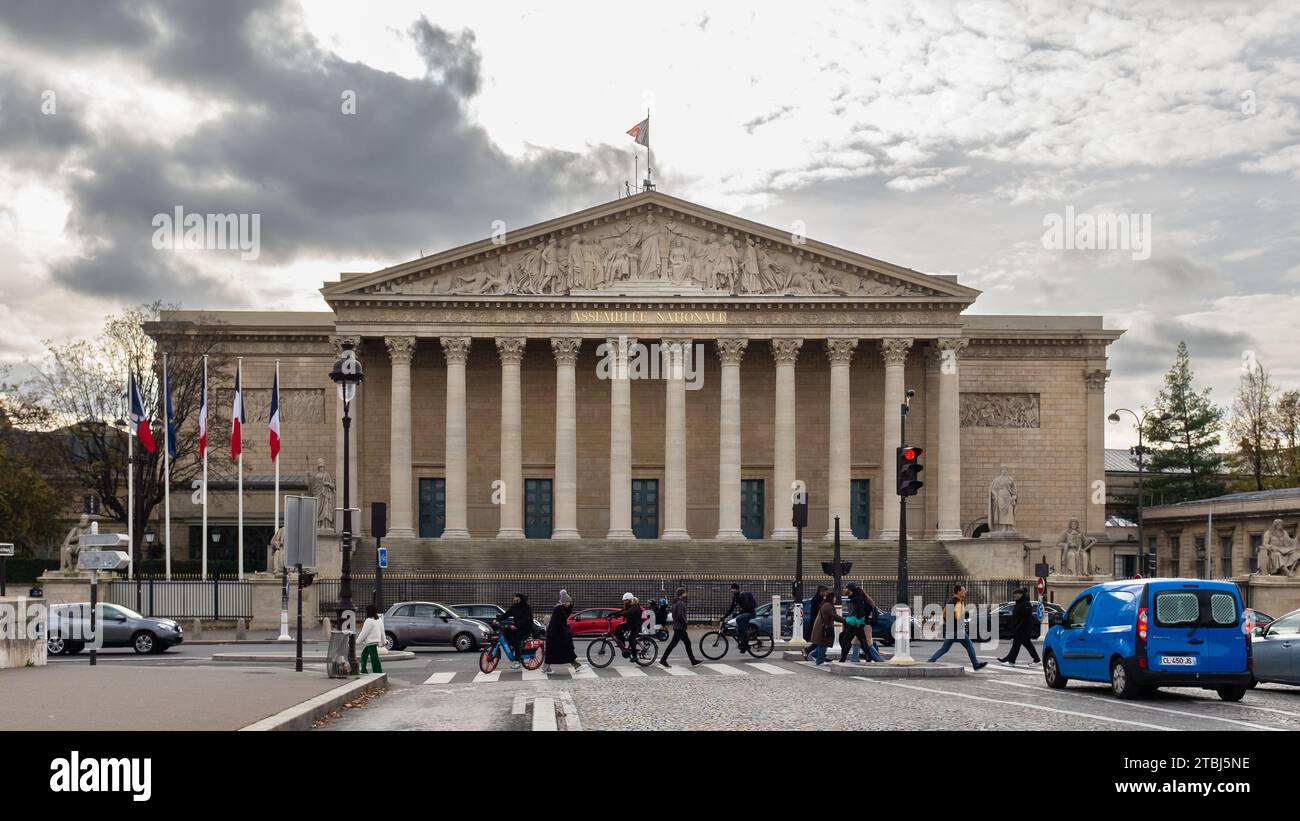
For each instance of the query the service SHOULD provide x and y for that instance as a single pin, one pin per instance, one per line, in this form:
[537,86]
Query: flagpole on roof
[275,525]
[130,477]
[239,393]
[649,183]
[167,472]
[204,447]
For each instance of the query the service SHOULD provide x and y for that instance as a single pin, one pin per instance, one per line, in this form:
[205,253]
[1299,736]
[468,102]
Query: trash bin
[337,658]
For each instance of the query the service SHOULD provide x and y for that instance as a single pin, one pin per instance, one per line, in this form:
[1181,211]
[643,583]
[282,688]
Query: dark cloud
[409,170]
[1151,348]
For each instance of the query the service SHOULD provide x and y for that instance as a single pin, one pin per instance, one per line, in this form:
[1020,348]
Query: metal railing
[215,599]
[710,595]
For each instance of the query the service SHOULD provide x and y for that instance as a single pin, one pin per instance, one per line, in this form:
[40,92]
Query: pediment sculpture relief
[654,250]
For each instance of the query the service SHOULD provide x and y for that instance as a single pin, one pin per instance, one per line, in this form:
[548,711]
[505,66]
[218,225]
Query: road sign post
[98,553]
[6,550]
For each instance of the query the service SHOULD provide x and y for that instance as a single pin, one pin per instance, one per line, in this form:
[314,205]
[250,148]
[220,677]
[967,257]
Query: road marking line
[544,715]
[1125,703]
[1018,704]
[481,678]
[631,672]
[520,705]
[725,669]
[572,722]
[771,668]
[585,672]
[678,671]
[440,678]
[534,675]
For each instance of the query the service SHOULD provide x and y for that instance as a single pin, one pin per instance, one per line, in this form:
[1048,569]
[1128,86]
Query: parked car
[1258,618]
[882,632]
[1140,634]
[1276,649]
[1055,613]
[430,624]
[763,617]
[69,629]
[487,613]
[594,621]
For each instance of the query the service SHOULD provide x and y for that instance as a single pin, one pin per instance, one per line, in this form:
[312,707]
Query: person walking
[857,624]
[810,614]
[371,636]
[680,624]
[559,639]
[1023,622]
[956,629]
[521,630]
[823,634]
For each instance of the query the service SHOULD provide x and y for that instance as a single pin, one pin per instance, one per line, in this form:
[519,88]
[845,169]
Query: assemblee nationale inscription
[656,317]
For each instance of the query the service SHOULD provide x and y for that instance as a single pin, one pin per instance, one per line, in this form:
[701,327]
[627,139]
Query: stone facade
[822,343]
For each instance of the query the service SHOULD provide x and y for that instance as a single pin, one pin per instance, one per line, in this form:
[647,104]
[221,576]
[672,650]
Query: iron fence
[710,595]
[214,598]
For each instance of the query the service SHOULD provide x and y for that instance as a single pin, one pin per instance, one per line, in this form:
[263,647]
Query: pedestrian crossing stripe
[630,672]
[617,672]
[679,671]
[772,668]
[725,669]
[440,678]
[481,678]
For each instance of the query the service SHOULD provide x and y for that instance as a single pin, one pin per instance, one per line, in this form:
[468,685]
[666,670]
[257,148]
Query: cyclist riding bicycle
[518,622]
[744,605]
[631,626]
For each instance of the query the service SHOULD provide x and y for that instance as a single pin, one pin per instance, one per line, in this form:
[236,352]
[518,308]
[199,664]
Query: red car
[594,621]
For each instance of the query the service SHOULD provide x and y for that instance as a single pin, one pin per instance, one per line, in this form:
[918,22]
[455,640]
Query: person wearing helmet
[631,626]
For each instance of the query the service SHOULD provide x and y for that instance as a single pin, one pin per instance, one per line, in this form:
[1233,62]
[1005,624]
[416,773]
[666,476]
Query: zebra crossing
[706,670]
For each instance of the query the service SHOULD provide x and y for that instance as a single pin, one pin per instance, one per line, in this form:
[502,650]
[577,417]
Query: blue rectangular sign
[383,558]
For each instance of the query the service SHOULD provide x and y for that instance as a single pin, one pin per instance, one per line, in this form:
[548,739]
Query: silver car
[1276,650]
[69,629]
[409,623]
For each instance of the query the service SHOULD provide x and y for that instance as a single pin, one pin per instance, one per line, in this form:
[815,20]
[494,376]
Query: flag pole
[204,400]
[167,471]
[275,525]
[239,542]
[649,173]
[130,484]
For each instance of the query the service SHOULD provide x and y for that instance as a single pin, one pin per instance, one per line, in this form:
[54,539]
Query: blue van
[1139,634]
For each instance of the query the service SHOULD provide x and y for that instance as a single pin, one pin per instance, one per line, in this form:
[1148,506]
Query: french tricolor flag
[237,418]
[139,419]
[203,414]
[274,423]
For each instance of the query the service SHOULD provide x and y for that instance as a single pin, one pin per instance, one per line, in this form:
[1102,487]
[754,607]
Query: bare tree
[1287,429]
[83,384]
[1252,425]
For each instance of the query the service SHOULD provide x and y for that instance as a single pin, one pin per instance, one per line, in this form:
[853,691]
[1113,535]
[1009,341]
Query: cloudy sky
[938,136]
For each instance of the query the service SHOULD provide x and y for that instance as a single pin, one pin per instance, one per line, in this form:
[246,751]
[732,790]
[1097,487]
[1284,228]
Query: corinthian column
[838,495]
[511,350]
[675,438]
[456,349]
[620,439]
[1095,382]
[894,352]
[730,351]
[786,353]
[400,351]
[949,478]
[566,437]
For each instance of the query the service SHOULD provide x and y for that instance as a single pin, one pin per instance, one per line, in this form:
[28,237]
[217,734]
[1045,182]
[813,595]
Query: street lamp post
[1140,453]
[347,374]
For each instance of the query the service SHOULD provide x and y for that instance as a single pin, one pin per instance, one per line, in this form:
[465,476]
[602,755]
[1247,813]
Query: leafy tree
[1186,463]
[1253,427]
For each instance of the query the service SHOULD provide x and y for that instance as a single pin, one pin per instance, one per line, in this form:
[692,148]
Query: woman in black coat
[521,630]
[559,639]
[1022,627]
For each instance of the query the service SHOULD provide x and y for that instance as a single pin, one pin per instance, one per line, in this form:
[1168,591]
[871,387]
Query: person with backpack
[1024,624]
[744,606]
[857,624]
[956,628]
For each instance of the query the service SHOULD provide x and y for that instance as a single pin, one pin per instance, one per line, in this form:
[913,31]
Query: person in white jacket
[372,635]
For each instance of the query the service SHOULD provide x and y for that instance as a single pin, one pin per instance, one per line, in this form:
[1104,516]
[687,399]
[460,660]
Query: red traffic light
[912,454]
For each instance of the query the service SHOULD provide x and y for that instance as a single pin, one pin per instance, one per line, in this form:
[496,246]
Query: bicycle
[715,644]
[534,653]
[600,652]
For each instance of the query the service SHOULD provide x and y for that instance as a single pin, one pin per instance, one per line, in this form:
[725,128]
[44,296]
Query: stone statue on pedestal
[1002,503]
[1076,551]
[72,544]
[1279,554]
[321,485]
[275,550]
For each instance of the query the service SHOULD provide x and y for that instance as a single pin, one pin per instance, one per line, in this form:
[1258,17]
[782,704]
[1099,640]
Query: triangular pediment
[650,244]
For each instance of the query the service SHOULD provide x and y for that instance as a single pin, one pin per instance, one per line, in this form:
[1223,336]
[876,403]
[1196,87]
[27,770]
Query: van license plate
[1180,661]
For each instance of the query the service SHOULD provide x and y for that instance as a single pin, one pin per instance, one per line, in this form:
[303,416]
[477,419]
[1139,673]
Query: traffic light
[909,467]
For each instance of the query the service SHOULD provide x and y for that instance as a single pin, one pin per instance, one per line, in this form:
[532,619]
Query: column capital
[627,343]
[336,342]
[566,349]
[894,349]
[511,349]
[401,349]
[786,350]
[840,350]
[455,348]
[1095,379]
[732,349]
[945,353]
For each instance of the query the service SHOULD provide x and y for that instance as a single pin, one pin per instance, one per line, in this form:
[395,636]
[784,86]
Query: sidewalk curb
[216,642]
[303,716]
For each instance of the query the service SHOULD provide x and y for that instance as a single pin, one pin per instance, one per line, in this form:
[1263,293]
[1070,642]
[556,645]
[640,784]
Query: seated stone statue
[1076,551]
[71,549]
[1279,554]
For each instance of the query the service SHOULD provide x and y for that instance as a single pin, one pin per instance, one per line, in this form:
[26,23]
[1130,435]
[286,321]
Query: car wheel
[1052,672]
[1231,693]
[142,642]
[391,642]
[1254,682]
[464,642]
[1121,683]
[56,646]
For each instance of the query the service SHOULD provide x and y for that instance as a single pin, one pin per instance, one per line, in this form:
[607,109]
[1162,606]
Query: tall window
[1199,543]
[1256,540]
[1175,555]
[1225,555]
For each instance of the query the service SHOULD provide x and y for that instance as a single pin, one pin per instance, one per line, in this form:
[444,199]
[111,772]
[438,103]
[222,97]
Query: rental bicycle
[715,643]
[601,651]
[534,653]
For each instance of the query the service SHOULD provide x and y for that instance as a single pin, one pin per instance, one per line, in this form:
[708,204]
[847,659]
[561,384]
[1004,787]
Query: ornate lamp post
[1139,451]
[347,374]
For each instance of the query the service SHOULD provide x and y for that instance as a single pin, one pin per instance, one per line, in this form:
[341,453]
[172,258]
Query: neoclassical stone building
[651,368]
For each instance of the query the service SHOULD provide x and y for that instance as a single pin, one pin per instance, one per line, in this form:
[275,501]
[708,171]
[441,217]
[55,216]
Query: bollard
[241,630]
[326,628]
[796,631]
[902,631]
[196,629]
[776,620]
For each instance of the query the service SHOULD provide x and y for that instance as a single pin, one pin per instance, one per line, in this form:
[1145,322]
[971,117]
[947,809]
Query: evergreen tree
[1186,463]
